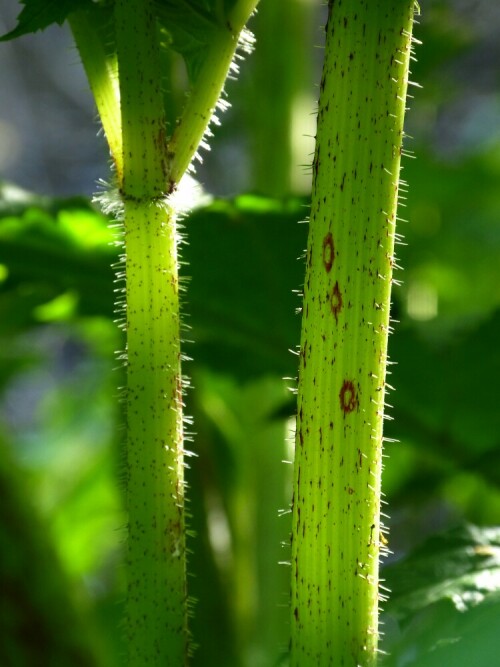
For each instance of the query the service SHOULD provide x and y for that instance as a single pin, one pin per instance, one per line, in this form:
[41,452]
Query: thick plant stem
[156,573]
[156,603]
[336,539]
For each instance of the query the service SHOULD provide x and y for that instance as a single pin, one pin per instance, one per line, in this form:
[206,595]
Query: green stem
[280,67]
[102,73]
[206,92]
[336,511]
[240,13]
[156,603]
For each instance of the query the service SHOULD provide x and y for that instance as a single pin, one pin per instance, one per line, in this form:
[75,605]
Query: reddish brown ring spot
[348,397]
[336,301]
[328,252]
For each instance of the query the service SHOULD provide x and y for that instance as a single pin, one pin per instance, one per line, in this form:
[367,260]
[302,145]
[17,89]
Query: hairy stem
[156,602]
[206,92]
[350,257]
[101,70]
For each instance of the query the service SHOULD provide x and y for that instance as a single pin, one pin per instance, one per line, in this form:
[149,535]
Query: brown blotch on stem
[348,397]
[328,252]
[336,301]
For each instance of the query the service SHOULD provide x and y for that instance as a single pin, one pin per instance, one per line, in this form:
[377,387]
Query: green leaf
[49,248]
[39,14]
[246,325]
[189,26]
[461,565]
[446,601]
